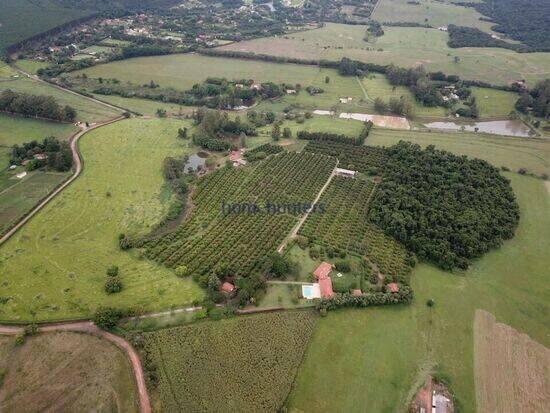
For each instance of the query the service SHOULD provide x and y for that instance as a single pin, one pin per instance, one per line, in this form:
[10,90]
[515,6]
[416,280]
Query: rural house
[322,273]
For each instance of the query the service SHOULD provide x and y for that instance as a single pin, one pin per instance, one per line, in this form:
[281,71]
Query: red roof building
[325,282]
[393,287]
[357,293]
[228,287]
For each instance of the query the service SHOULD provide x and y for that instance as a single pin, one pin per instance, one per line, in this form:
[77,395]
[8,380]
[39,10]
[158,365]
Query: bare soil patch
[66,372]
[512,371]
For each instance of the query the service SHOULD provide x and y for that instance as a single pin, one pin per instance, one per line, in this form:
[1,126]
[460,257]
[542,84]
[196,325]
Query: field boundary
[79,163]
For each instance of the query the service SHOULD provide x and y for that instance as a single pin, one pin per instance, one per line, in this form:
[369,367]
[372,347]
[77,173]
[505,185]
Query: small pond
[495,127]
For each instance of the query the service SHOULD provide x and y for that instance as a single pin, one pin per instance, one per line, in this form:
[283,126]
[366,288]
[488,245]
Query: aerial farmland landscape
[287,206]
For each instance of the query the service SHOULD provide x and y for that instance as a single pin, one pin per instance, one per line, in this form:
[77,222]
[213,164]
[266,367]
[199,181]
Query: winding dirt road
[91,328]
[77,162]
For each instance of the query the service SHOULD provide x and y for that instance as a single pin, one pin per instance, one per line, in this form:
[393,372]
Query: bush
[343,266]
[182,271]
[113,285]
[107,317]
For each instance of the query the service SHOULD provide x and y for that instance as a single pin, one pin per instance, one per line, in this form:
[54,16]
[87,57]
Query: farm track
[78,162]
[90,328]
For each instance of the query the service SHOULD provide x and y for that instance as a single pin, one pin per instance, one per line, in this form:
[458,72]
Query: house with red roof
[322,272]
[393,287]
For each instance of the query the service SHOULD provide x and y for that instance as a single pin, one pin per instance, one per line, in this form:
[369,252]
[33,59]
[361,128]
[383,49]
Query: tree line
[37,106]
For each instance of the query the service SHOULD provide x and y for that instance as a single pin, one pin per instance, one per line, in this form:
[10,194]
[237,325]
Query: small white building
[347,173]
[346,99]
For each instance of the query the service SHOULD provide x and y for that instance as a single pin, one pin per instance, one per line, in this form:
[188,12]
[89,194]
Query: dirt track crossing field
[512,371]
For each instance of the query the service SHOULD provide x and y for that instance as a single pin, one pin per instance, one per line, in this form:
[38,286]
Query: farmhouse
[346,99]
[393,287]
[325,282]
[346,173]
[236,157]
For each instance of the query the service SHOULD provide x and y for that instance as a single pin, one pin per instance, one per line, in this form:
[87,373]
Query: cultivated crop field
[242,364]
[512,371]
[533,154]
[345,225]
[242,240]
[401,344]
[65,372]
[87,110]
[54,267]
[405,47]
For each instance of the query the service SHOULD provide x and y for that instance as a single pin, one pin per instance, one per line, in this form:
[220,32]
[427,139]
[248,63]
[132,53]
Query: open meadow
[533,154]
[87,110]
[70,372]
[242,364]
[396,347]
[405,47]
[436,13]
[55,266]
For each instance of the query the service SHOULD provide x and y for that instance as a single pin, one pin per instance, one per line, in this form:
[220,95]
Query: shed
[228,287]
[393,287]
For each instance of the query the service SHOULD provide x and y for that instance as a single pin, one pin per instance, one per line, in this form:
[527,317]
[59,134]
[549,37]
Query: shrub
[113,285]
[343,266]
[107,317]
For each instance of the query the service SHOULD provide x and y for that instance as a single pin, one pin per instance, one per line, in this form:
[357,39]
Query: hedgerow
[262,151]
[242,364]
[364,159]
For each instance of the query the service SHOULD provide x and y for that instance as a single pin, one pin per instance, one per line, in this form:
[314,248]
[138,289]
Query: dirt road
[77,162]
[91,328]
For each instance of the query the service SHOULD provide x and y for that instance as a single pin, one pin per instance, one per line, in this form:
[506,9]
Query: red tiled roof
[357,293]
[325,285]
[228,287]
[235,155]
[394,288]
[323,270]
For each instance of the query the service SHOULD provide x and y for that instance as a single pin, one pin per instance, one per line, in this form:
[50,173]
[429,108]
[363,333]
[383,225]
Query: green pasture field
[405,47]
[182,71]
[379,356]
[54,267]
[21,19]
[532,154]
[17,130]
[432,12]
[494,103]
[19,196]
[31,66]
[244,364]
[88,110]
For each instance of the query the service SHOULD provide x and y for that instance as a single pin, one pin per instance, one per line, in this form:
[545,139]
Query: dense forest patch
[446,208]
[460,36]
[240,364]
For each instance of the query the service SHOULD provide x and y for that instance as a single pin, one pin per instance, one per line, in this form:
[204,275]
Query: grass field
[511,370]
[68,372]
[55,266]
[144,106]
[494,103]
[406,47]
[20,19]
[88,110]
[378,357]
[515,153]
[31,66]
[243,364]
[432,12]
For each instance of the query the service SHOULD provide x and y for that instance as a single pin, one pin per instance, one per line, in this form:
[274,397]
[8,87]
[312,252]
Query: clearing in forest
[512,371]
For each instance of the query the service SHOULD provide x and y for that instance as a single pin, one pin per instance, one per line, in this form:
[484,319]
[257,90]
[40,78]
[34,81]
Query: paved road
[91,328]
[77,162]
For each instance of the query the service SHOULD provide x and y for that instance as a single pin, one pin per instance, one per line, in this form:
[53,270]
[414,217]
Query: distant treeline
[523,20]
[37,106]
[471,37]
